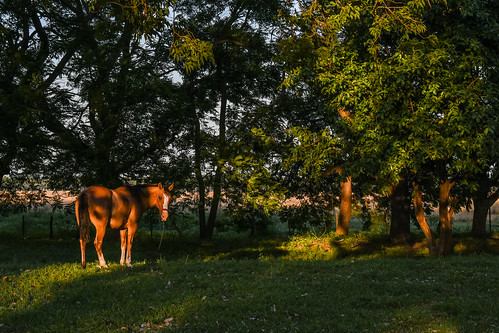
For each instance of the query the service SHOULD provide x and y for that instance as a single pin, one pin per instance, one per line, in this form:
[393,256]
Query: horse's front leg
[123,234]
[131,233]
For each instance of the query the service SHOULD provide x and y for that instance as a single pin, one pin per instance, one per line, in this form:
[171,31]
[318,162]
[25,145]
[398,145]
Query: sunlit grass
[274,284]
[396,295]
[235,283]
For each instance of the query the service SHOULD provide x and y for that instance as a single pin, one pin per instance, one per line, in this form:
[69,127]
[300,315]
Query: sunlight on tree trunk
[418,206]
[445,210]
[343,222]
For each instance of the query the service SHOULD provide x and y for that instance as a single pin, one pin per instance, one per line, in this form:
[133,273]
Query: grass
[358,283]
[457,294]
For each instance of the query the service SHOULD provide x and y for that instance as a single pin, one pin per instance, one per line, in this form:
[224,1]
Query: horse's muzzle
[164,215]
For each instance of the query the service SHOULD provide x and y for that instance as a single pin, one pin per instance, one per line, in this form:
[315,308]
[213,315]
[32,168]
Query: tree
[29,68]
[484,196]
[479,26]
[99,119]
[406,91]
[86,100]
[221,94]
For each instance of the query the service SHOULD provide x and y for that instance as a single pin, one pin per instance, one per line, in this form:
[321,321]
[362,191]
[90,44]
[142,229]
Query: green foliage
[192,51]
[253,173]
[408,86]
[317,153]
[147,15]
[307,215]
[246,218]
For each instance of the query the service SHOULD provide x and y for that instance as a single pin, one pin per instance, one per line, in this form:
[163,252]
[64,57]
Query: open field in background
[37,222]
[273,282]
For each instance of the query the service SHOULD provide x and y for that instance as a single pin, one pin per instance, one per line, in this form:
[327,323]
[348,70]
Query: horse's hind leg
[98,245]
[83,245]
[123,235]
[131,233]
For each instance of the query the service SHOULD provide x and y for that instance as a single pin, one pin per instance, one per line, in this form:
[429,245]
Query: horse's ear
[160,186]
[170,187]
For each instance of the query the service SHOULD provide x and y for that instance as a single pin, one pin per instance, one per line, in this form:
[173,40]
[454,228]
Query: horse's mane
[138,190]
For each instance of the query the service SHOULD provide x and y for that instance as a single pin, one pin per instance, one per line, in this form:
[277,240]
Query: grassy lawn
[359,283]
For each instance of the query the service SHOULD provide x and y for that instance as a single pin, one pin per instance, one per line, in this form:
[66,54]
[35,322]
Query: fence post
[23,228]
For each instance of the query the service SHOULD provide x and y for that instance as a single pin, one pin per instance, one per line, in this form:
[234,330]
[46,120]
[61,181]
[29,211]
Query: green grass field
[276,283]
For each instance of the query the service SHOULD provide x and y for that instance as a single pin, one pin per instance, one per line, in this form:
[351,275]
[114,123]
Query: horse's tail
[82,217]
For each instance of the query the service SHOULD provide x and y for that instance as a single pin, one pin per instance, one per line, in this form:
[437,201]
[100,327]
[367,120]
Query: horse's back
[118,207]
[97,194]
[98,202]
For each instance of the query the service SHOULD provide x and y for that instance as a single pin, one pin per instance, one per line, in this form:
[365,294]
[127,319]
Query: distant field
[37,221]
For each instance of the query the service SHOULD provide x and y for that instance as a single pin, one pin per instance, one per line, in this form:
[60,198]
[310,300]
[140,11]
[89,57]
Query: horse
[121,209]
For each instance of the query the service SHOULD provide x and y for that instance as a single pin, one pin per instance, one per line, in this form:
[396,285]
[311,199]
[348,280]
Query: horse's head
[163,200]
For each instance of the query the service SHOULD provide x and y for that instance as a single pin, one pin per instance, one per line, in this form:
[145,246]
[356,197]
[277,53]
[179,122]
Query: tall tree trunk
[400,205]
[366,215]
[480,209]
[198,162]
[217,181]
[445,210]
[418,207]
[203,230]
[343,220]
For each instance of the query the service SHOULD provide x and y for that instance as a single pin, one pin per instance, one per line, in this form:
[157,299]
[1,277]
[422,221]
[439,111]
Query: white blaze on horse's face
[164,211]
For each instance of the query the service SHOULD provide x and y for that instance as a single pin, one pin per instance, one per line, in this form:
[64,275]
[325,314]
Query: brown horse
[120,209]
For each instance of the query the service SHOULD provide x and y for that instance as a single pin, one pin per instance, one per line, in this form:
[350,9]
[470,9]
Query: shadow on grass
[17,254]
[394,295]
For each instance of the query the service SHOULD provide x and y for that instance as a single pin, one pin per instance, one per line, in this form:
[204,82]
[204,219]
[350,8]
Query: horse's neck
[149,199]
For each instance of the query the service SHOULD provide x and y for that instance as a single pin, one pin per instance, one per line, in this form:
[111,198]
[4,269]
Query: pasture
[269,283]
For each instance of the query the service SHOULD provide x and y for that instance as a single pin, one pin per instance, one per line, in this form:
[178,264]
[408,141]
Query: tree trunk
[480,210]
[203,230]
[400,205]
[445,210]
[217,181]
[366,215]
[343,222]
[104,168]
[482,201]
[418,207]
[212,217]
[198,162]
